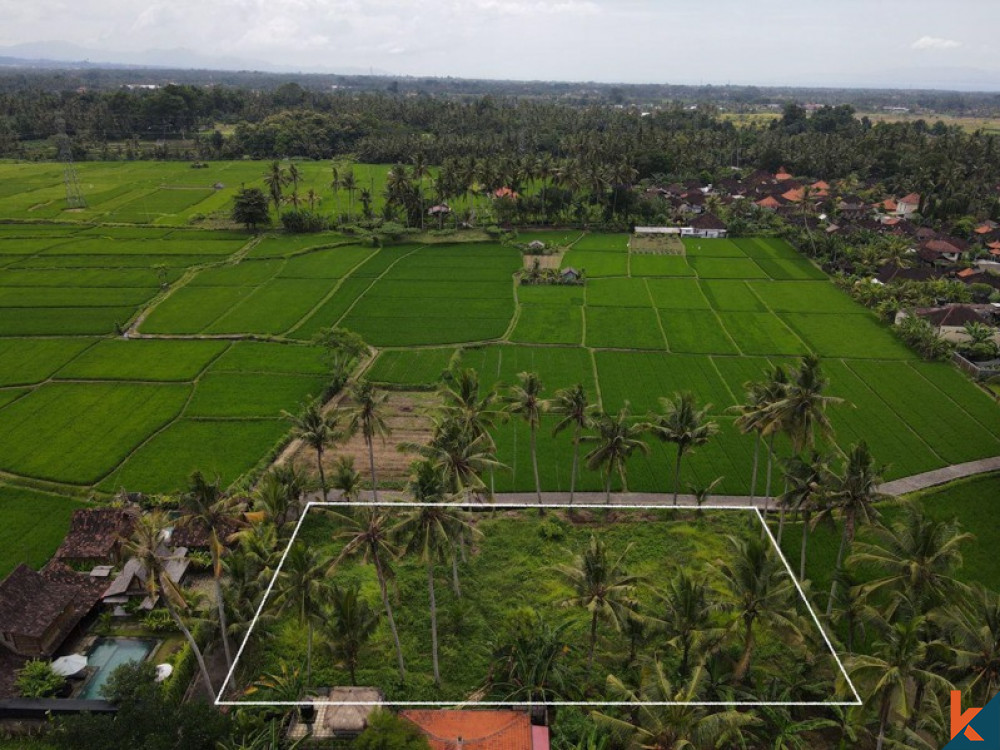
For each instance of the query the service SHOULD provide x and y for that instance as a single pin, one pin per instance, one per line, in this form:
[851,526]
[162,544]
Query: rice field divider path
[895,488]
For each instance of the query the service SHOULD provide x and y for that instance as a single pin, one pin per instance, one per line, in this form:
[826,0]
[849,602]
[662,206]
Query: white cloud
[935,42]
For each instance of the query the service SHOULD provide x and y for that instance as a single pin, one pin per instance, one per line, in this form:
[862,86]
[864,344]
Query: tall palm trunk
[576,461]
[534,466]
[770,466]
[388,612]
[371,466]
[456,587]
[677,473]
[781,515]
[434,622]
[607,488]
[322,474]
[220,603]
[836,568]
[805,541]
[748,645]
[593,642]
[199,657]
[756,463]
[309,652]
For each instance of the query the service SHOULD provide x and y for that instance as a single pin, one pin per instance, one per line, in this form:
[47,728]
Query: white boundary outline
[527,704]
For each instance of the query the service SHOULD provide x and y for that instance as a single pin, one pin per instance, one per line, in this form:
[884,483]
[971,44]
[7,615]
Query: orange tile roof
[967,272]
[783,175]
[768,202]
[984,229]
[505,192]
[994,246]
[913,199]
[477,730]
[820,185]
[889,204]
[794,196]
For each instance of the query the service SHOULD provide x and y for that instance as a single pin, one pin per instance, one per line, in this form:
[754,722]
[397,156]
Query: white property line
[527,704]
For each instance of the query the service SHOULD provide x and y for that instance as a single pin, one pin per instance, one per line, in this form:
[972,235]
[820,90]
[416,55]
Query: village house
[132,581]
[706,226]
[479,730]
[908,205]
[39,610]
[95,537]
[344,713]
[949,321]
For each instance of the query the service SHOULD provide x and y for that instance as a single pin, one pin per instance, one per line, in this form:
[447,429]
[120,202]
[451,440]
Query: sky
[778,42]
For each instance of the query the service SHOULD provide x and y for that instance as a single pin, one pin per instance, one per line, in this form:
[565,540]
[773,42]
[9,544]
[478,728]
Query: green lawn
[34,524]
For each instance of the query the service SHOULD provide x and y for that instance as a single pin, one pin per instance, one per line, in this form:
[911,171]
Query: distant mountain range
[59,54]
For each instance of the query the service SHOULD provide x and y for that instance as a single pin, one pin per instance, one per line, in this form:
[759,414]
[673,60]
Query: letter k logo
[960,720]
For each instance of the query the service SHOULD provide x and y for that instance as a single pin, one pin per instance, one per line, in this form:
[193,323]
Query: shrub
[552,530]
[37,680]
[158,621]
[303,221]
[386,731]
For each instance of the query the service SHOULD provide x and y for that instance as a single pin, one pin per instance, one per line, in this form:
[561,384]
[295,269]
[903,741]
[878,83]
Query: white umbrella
[67,666]
[163,671]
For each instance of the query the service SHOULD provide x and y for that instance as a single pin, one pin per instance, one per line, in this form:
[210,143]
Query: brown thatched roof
[94,533]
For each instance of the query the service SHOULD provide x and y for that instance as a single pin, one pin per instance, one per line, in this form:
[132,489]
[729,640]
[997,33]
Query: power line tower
[74,196]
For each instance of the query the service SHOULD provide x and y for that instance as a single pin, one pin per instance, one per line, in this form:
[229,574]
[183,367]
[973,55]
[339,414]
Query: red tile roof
[889,204]
[913,199]
[967,272]
[94,533]
[769,202]
[984,229]
[477,730]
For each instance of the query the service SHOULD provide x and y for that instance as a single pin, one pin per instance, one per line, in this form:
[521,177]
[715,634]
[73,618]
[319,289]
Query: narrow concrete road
[896,487]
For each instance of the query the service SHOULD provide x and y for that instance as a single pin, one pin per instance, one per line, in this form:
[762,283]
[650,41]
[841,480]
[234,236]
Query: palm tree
[752,417]
[300,590]
[914,559]
[602,587]
[461,457]
[894,670]
[616,440]
[755,588]
[802,409]
[347,479]
[348,625]
[278,492]
[530,664]
[783,732]
[526,401]
[146,546]
[661,716]
[683,424]
[805,482]
[476,410]
[773,391]
[855,493]
[576,412]
[368,418]
[316,430]
[367,535]
[686,614]
[972,624]
[432,532]
[204,505]
[275,178]
[350,183]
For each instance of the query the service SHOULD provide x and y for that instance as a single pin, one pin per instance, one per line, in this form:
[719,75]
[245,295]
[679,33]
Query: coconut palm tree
[347,479]
[205,506]
[275,179]
[368,418]
[300,590]
[894,671]
[316,430]
[366,534]
[662,716]
[616,440]
[774,390]
[525,400]
[575,411]
[914,559]
[686,614]
[805,485]
[462,457]
[432,532]
[602,587]
[530,662]
[683,424]
[802,409]
[753,417]
[348,624]
[854,493]
[755,588]
[147,547]
[476,409]
[350,183]
[278,492]
[972,625]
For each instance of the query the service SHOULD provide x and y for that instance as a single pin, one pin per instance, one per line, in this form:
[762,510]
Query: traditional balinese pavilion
[480,730]
[95,536]
[39,610]
[343,713]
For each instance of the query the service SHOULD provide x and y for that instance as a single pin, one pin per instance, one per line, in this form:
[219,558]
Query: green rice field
[220,328]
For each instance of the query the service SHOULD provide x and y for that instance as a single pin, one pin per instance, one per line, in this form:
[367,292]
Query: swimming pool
[106,655]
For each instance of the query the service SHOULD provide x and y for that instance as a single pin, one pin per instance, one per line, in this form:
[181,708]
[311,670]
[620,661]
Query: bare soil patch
[656,244]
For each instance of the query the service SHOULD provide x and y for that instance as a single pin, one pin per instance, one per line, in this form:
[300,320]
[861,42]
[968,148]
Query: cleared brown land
[656,244]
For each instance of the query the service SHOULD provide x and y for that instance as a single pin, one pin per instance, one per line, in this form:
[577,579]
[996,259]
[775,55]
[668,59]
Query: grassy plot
[63,321]
[165,462]
[29,361]
[696,332]
[762,333]
[417,367]
[550,294]
[143,359]
[852,336]
[282,246]
[603,242]
[328,313]
[738,371]
[274,307]
[549,324]
[806,297]
[326,264]
[726,268]
[642,378]
[659,265]
[249,395]
[676,294]
[76,433]
[86,278]
[34,524]
[697,247]
[259,356]
[10,395]
[245,273]
[623,328]
[192,309]
[731,295]
[617,293]
[766,247]
[595,263]
[957,387]
[57,296]
[556,367]
[147,262]
[790,268]
[950,431]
